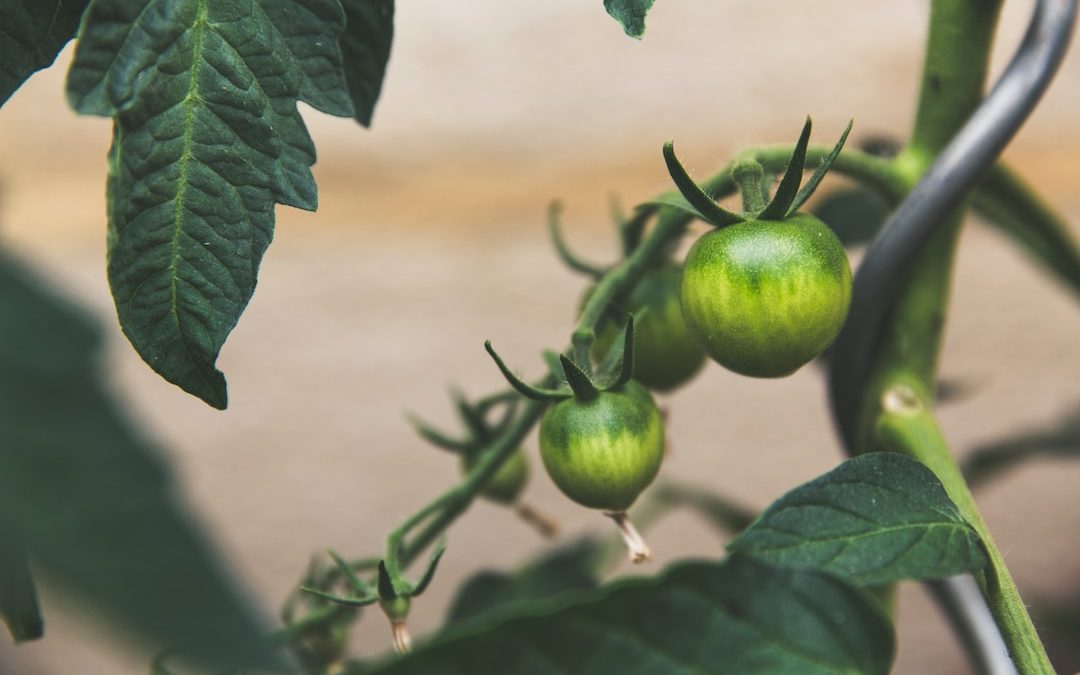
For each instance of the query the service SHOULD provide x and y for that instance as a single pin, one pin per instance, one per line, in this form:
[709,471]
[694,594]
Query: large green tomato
[603,451]
[666,354]
[508,482]
[766,297]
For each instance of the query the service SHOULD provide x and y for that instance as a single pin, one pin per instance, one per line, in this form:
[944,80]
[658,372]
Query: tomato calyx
[790,194]
[581,383]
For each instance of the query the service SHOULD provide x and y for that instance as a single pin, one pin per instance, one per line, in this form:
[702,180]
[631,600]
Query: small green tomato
[508,482]
[766,297]
[666,353]
[604,450]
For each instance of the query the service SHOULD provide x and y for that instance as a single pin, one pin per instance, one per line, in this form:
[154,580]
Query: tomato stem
[635,545]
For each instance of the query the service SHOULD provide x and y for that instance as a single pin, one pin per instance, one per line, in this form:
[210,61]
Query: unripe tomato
[766,297]
[508,482]
[603,451]
[666,354]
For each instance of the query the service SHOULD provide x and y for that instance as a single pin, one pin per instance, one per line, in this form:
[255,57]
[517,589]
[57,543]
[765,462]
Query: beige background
[430,239]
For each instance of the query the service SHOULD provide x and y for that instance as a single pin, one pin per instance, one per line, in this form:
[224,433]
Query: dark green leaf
[855,214]
[18,595]
[365,49]
[875,519]
[571,567]
[739,616]
[988,461]
[630,13]
[207,138]
[32,33]
[91,499]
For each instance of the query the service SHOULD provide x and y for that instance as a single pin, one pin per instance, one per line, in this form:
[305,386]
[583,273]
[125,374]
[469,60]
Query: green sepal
[436,437]
[568,257]
[709,210]
[580,383]
[626,372]
[340,599]
[433,564]
[789,184]
[808,190]
[674,200]
[523,387]
[470,417]
[388,587]
[350,574]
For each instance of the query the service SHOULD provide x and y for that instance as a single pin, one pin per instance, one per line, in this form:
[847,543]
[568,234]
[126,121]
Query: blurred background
[431,238]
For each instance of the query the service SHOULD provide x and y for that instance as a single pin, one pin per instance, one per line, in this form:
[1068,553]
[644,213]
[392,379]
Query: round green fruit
[508,482]
[603,451]
[766,297]
[666,354]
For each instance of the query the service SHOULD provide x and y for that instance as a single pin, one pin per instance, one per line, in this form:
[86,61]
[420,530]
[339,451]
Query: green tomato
[508,482]
[602,452]
[666,353]
[766,297]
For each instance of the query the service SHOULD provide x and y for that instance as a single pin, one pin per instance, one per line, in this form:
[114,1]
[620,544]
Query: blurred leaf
[91,499]
[572,567]
[32,33]
[875,519]
[18,595]
[365,50]
[988,461]
[207,139]
[738,616]
[630,13]
[1007,203]
[855,214]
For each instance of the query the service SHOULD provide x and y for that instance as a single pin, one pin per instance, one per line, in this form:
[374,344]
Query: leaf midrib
[186,154]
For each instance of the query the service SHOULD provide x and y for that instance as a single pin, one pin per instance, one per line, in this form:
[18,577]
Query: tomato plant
[203,96]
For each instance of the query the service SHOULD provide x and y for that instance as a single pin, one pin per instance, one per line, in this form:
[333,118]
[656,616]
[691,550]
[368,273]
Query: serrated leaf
[207,138]
[19,606]
[571,567]
[365,49]
[875,519]
[739,616]
[630,13]
[32,33]
[91,499]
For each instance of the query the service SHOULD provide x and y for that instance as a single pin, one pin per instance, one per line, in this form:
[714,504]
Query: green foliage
[365,48]
[571,567]
[630,13]
[738,616]
[19,607]
[32,33]
[875,519]
[90,498]
[207,138]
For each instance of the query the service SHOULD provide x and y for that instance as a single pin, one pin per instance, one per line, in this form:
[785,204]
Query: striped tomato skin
[604,451]
[765,297]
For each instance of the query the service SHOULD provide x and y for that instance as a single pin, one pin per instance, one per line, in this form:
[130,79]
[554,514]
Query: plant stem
[908,426]
[896,405]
